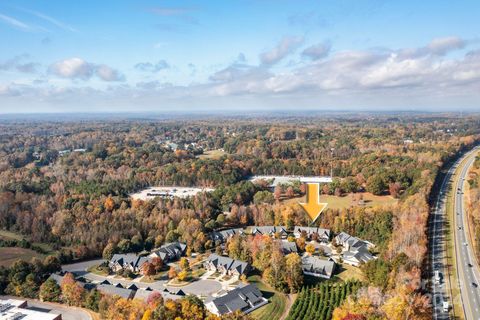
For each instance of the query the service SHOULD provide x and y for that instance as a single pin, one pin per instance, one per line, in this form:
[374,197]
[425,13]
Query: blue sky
[91,56]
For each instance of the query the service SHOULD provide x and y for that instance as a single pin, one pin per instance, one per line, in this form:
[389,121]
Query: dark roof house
[226,265]
[244,299]
[317,267]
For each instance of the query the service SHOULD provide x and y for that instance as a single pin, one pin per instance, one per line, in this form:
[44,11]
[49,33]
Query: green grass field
[8,235]
[342,202]
[276,306]
[212,154]
[9,255]
[348,272]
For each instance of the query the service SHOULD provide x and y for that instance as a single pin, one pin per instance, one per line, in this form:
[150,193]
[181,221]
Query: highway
[467,269]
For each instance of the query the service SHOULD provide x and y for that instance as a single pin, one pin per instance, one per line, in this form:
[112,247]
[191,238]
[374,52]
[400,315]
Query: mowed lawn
[8,255]
[212,154]
[276,306]
[346,201]
[347,272]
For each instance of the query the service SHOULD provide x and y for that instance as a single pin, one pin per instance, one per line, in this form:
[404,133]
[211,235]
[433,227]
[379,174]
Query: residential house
[288,247]
[129,261]
[355,250]
[322,235]
[270,231]
[244,299]
[112,290]
[317,267]
[223,235]
[143,294]
[169,251]
[226,265]
[347,241]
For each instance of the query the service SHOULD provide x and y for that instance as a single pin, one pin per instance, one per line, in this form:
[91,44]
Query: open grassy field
[212,154]
[347,272]
[8,235]
[8,255]
[346,201]
[273,310]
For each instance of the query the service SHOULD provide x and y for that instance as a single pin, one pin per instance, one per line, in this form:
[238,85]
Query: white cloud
[17,63]
[438,46]
[73,68]
[52,20]
[442,46]
[77,68]
[318,51]
[369,78]
[106,73]
[15,23]
[285,47]
[150,67]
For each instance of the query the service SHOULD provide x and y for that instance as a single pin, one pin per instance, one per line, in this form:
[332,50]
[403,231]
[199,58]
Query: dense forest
[79,201]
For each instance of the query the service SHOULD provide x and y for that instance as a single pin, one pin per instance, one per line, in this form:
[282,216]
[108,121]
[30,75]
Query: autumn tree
[294,272]
[148,269]
[72,293]
[50,291]
[172,273]
[310,248]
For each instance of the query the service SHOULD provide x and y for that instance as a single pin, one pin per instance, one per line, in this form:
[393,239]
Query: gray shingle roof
[170,250]
[288,247]
[311,230]
[228,263]
[238,299]
[129,259]
[317,265]
[269,230]
[115,291]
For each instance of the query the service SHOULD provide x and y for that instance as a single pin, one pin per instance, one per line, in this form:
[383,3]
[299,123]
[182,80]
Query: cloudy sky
[97,56]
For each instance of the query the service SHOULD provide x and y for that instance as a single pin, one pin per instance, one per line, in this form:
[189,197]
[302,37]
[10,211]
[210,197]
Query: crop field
[319,301]
[8,255]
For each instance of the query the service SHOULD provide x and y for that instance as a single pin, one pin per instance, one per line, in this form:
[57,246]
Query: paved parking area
[201,287]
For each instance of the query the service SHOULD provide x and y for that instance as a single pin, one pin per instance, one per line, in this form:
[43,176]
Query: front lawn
[277,300]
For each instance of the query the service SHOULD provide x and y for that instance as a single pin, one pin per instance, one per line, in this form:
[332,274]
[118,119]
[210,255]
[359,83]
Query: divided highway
[468,273]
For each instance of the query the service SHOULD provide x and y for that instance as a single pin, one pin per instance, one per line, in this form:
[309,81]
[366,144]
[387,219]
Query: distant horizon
[201,114]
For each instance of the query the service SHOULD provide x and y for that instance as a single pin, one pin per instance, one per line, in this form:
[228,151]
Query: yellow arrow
[313,207]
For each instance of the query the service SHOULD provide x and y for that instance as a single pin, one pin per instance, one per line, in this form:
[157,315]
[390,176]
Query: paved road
[438,247]
[68,313]
[202,287]
[467,267]
[469,296]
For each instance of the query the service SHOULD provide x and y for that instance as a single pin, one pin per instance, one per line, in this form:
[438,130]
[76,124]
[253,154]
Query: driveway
[68,313]
[80,268]
[201,287]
